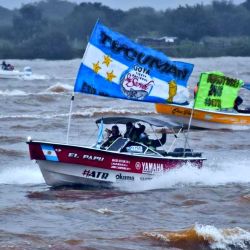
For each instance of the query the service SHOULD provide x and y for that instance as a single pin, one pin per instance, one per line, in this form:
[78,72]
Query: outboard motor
[27,70]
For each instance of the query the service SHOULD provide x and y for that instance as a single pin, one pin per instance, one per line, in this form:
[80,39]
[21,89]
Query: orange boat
[209,119]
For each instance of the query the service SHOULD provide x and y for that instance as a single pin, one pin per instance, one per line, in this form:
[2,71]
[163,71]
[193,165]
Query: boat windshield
[125,145]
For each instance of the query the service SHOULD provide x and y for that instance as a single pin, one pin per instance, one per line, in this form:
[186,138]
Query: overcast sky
[121,4]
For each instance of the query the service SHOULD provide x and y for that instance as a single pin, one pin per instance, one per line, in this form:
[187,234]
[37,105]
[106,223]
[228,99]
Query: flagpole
[189,125]
[70,112]
[73,96]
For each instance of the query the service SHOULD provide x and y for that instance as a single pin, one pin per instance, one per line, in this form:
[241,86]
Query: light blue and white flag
[49,152]
[100,133]
[115,66]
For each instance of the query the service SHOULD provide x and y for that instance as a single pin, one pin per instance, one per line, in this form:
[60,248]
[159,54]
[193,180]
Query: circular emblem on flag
[138,165]
[136,83]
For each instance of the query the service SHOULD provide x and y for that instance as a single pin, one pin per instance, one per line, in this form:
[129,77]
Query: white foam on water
[210,175]
[14,92]
[216,175]
[21,175]
[106,211]
[224,238]
[88,113]
[35,77]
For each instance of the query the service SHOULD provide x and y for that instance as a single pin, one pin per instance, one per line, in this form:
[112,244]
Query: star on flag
[107,60]
[96,67]
[110,76]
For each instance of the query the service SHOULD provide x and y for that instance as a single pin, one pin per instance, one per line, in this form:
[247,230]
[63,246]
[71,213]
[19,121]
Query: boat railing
[180,152]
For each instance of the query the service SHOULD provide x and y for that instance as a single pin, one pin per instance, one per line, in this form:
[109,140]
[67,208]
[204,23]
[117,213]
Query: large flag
[115,66]
[216,91]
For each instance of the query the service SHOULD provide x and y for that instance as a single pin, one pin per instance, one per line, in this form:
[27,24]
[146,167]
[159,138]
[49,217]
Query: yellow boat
[205,118]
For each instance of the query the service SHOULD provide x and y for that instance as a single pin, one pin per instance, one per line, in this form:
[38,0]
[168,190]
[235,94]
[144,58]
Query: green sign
[216,91]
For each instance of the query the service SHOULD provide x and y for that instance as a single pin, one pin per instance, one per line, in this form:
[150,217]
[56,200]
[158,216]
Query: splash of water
[14,92]
[21,175]
[213,174]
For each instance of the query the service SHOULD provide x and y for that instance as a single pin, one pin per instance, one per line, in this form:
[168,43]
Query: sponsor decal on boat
[138,165]
[151,168]
[182,112]
[137,149]
[143,178]
[95,174]
[124,177]
[120,164]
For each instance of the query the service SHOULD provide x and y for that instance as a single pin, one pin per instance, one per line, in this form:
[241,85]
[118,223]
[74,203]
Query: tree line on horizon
[57,29]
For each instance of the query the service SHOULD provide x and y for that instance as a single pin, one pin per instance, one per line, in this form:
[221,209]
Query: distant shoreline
[58,29]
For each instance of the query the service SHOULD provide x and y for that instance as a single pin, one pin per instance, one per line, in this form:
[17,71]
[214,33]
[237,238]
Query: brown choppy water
[185,209]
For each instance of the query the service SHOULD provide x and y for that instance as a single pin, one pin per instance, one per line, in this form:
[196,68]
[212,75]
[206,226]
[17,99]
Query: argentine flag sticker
[49,152]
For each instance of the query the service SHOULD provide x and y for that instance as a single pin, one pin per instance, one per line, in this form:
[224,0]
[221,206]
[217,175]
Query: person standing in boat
[113,135]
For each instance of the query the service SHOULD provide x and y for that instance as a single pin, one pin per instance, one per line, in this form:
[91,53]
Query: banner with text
[115,66]
[216,91]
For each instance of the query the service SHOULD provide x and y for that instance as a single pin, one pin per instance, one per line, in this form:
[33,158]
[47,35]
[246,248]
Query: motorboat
[208,119]
[132,72]
[15,74]
[216,104]
[124,161]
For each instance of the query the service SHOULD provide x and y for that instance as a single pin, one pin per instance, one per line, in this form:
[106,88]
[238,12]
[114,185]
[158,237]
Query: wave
[203,237]
[14,92]
[21,175]
[60,88]
[11,139]
[35,77]
[92,112]
[97,112]
[11,152]
[212,174]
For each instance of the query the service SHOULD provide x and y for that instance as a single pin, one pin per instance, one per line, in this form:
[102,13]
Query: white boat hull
[65,174]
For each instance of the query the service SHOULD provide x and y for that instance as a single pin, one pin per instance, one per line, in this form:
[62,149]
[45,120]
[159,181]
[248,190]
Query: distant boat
[15,74]
[216,105]
[209,119]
